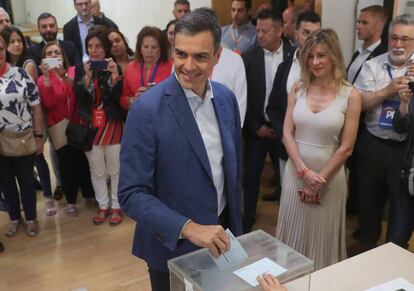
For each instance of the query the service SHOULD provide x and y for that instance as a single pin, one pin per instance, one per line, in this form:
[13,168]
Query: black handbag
[80,136]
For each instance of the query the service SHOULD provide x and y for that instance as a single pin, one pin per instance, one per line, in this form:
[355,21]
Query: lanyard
[151,79]
[389,71]
[236,40]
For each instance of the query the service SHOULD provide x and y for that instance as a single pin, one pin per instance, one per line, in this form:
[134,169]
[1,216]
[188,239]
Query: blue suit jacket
[165,176]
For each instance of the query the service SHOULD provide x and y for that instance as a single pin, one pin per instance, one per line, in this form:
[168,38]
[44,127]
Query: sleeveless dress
[316,231]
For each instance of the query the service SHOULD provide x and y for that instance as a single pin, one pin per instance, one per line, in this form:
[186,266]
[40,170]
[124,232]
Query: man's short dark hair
[377,11]
[200,20]
[45,15]
[247,3]
[182,2]
[270,13]
[307,16]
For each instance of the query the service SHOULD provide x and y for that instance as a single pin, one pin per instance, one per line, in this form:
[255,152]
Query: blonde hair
[328,39]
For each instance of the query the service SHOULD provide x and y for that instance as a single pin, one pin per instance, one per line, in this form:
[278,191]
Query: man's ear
[218,53]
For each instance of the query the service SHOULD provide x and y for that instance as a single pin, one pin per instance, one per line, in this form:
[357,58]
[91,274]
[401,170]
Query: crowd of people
[156,132]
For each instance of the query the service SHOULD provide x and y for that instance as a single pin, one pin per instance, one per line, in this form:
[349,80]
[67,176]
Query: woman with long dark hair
[120,49]
[18,55]
[21,138]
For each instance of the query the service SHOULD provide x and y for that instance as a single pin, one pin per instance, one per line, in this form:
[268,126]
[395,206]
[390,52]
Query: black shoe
[275,196]
[1,247]
[248,222]
[58,194]
[270,197]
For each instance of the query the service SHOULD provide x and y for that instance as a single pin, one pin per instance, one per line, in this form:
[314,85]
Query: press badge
[387,113]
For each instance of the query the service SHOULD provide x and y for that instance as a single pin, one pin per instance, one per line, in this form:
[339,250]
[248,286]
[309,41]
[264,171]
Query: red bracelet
[303,172]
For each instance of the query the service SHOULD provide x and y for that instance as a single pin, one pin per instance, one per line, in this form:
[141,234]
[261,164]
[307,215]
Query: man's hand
[266,132]
[392,88]
[212,237]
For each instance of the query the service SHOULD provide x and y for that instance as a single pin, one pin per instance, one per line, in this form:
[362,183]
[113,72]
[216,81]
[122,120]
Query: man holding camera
[380,82]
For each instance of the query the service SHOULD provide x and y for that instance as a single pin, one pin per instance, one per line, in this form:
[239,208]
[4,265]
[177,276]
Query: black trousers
[255,153]
[20,169]
[74,173]
[374,159]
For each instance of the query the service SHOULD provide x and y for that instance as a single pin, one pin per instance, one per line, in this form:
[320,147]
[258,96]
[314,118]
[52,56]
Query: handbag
[80,136]
[17,144]
[57,133]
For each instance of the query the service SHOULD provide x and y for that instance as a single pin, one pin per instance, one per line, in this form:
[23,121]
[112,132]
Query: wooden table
[361,272]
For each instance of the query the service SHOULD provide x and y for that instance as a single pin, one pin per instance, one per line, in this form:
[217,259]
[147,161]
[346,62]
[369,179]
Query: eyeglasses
[404,40]
[52,53]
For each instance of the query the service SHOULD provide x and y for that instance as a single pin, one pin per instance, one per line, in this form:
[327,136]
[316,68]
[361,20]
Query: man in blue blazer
[181,156]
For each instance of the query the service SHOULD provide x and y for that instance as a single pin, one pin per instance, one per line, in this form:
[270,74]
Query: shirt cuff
[185,224]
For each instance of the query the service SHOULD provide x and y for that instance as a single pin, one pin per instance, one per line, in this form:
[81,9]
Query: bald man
[4,19]
[96,11]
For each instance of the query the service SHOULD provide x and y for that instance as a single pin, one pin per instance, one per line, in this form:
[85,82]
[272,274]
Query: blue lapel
[226,124]
[178,104]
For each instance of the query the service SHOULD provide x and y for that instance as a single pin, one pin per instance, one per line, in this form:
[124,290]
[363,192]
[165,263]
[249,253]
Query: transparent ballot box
[197,271]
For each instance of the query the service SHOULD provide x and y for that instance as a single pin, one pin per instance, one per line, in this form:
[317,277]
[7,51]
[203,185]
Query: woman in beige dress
[319,133]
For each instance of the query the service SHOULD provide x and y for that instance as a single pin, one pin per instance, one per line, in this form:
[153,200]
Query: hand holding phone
[99,65]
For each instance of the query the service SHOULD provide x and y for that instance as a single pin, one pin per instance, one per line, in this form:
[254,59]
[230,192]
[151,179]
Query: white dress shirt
[272,60]
[294,73]
[205,116]
[230,72]
[83,31]
[360,60]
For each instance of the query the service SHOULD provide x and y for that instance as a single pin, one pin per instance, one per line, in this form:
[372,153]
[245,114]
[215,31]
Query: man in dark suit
[77,28]
[370,24]
[287,74]
[261,63]
[48,29]
[181,156]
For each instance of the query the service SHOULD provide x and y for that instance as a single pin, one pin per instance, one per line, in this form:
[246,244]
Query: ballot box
[197,271]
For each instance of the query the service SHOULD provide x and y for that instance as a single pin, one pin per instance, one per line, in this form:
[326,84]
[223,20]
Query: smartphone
[53,62]
[99,65]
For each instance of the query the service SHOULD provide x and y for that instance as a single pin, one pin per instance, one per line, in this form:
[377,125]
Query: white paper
[234,256]
[259,268]
[398,284]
